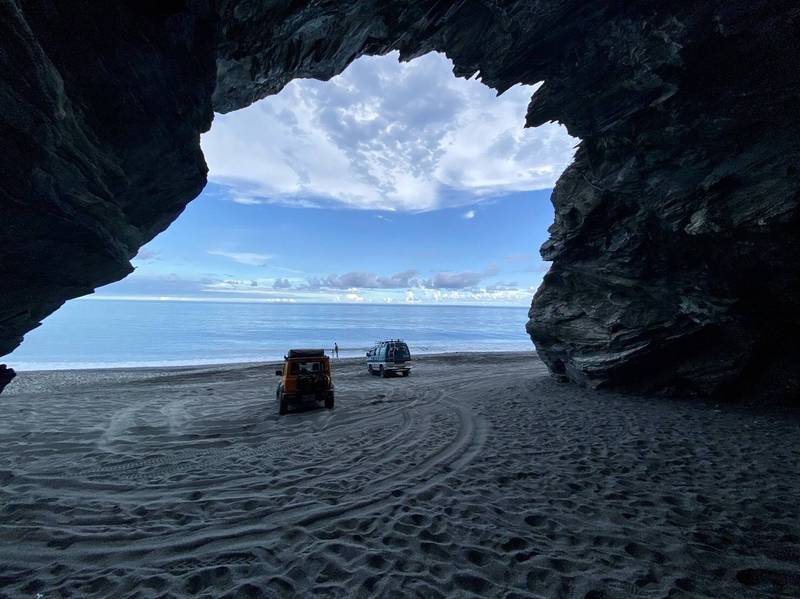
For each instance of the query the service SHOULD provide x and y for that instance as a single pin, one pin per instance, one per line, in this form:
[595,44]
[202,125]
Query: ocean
[120,333]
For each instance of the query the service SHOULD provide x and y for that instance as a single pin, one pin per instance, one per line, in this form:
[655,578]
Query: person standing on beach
[336,349]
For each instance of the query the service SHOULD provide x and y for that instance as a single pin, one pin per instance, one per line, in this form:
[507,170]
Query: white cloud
[248,258]
[364,280]
[453,280]
[247,201]
[469,214]
[489,296]
[411,297]
[385,135]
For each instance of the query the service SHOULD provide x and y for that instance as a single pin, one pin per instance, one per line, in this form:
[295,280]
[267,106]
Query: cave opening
[307,186]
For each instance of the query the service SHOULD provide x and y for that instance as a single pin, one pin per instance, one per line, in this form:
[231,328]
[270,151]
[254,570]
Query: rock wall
[675,252]
[674,257]
[102,109]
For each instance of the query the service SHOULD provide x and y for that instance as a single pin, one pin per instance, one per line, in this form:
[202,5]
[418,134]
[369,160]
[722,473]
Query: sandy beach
[478,476]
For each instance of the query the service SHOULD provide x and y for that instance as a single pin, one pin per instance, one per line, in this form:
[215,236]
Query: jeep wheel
[406,372]
[283,406]
[329,402]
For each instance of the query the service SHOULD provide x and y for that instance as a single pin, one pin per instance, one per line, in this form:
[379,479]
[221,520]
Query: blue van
[389,357]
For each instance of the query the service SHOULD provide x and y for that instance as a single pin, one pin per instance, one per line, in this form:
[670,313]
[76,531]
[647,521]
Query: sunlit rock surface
[674,248]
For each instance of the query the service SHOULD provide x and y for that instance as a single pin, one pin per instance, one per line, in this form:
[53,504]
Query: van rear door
[400,352]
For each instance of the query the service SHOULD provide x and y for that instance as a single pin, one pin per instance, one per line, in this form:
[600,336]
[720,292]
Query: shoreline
[168,366]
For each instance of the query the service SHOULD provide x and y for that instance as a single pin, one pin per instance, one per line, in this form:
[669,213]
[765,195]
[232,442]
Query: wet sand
[477,476]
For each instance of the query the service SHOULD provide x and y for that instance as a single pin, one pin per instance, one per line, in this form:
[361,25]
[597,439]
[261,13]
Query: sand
[477,476]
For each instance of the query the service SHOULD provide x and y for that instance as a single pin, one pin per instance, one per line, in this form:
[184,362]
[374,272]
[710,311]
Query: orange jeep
[305,377]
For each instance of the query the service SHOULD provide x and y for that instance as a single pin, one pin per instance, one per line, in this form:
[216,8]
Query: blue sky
[393,182]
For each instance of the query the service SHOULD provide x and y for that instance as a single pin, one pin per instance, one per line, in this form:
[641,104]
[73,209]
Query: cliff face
[674,254]
[102,108]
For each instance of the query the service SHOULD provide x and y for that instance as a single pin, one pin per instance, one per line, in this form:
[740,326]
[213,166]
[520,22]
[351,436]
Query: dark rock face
[674,253]
[102,108]
[6,376]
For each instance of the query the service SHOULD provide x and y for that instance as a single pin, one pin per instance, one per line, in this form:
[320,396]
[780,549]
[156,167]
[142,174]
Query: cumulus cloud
[403,280]
[365,280]
[247,258]
[385,135]
[453,280]
[459,280]
[354,297]
[411,298]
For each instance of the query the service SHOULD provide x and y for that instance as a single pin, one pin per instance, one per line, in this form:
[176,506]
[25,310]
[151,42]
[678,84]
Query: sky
[390,183]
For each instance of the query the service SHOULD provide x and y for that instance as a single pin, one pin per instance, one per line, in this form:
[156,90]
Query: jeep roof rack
[306,353]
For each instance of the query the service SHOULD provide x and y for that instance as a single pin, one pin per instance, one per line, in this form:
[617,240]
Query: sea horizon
[292,302]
